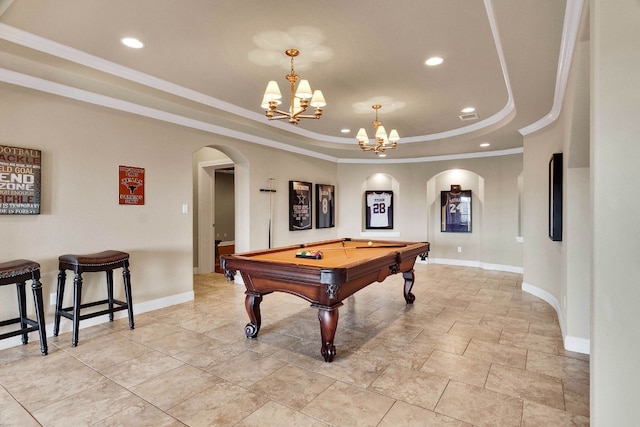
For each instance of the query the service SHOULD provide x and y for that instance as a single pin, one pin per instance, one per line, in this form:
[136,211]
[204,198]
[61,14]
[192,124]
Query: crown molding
[573,13]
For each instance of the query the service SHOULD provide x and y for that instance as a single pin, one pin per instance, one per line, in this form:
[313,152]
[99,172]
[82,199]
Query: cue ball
[369,243]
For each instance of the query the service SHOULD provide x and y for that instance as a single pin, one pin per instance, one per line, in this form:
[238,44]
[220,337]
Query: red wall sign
[131,187]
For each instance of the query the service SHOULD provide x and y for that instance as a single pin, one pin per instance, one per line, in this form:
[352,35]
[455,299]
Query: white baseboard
[66,325]
[579,345]
[576,344]
[478,264]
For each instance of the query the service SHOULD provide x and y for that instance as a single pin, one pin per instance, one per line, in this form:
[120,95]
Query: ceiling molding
[573,13]
[4,5]
[53,88]
[62,51]
[443,158]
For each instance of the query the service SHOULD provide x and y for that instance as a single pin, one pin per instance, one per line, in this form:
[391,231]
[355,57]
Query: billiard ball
[370,243]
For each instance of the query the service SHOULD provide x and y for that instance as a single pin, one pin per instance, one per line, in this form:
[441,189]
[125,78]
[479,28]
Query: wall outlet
[459,249]
[52,299]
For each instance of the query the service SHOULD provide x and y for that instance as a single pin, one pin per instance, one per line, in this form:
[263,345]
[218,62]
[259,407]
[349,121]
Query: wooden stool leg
[126,278]
[36,287]
[22,308]
[110,293]
[77,298]
[62,277]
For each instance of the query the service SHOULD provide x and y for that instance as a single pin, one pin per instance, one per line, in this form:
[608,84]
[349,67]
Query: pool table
[323,273]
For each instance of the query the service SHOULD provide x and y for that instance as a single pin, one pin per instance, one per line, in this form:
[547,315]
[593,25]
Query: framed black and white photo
[325,206]
[299,205]
[455,208]
[379,209]
[555,197]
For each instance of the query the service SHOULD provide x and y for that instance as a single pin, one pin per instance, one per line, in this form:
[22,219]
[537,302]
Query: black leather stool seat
[18,272]
[105,261]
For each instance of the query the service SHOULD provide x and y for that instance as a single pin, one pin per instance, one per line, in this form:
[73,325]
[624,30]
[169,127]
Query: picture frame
[456,210]
[131,185]
[300,215]
[20,179]
[325,206]
[378,206]
[555,197]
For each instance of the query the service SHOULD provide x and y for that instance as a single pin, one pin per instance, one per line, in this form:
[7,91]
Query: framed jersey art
[379,209]
[455,208]
[325,206]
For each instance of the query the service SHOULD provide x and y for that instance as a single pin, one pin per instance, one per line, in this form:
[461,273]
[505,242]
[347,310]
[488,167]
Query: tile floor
[473,350]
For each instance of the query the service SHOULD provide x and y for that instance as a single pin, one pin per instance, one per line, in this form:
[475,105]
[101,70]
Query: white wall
[559,271]
[83,145]
[417,218]
[615,153]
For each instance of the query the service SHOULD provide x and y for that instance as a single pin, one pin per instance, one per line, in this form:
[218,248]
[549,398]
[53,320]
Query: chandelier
[298,100]
[381,141]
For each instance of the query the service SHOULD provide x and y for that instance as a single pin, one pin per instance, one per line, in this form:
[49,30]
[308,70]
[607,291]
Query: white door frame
[206,213]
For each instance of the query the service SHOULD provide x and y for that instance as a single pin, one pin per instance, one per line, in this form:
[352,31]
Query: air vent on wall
[470,116]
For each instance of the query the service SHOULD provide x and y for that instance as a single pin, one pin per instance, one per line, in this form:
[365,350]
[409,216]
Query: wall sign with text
[131,187]
[20,173]
[299,205]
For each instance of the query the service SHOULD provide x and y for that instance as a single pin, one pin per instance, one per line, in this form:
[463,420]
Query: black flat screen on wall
[555,197]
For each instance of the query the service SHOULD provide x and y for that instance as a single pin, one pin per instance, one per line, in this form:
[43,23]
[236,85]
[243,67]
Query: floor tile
[497,353]
[473,349]
[484,333]
[536,415]
[479,406]
[403,414]
[459,368]
[87,407]
[405,384]
[292,386]
[222,404]
[273,414]
[526,385]
[174,387]
[354,369]
[13,414]
[140,369]
[39,382]
[576,397]
[348,405]
[105,351]
[558,366]
[246,368]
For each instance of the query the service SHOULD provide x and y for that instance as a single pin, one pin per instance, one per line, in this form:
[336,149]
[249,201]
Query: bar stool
[18,272]
[105,261]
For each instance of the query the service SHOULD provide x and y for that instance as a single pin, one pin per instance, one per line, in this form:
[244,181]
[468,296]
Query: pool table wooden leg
[252,304]
[328,324]
[409,277]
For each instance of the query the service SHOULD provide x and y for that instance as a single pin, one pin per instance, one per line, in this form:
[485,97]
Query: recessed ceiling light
[132,43]
[345,130]
[435,60]
[468,110]
[382,155]
[485,144]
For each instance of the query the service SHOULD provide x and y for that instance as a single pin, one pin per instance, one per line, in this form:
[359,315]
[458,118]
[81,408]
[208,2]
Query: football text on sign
[20,172]
[131,185]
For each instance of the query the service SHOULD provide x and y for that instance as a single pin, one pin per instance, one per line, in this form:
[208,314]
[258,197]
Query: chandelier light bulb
[304,90]
[317,100]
